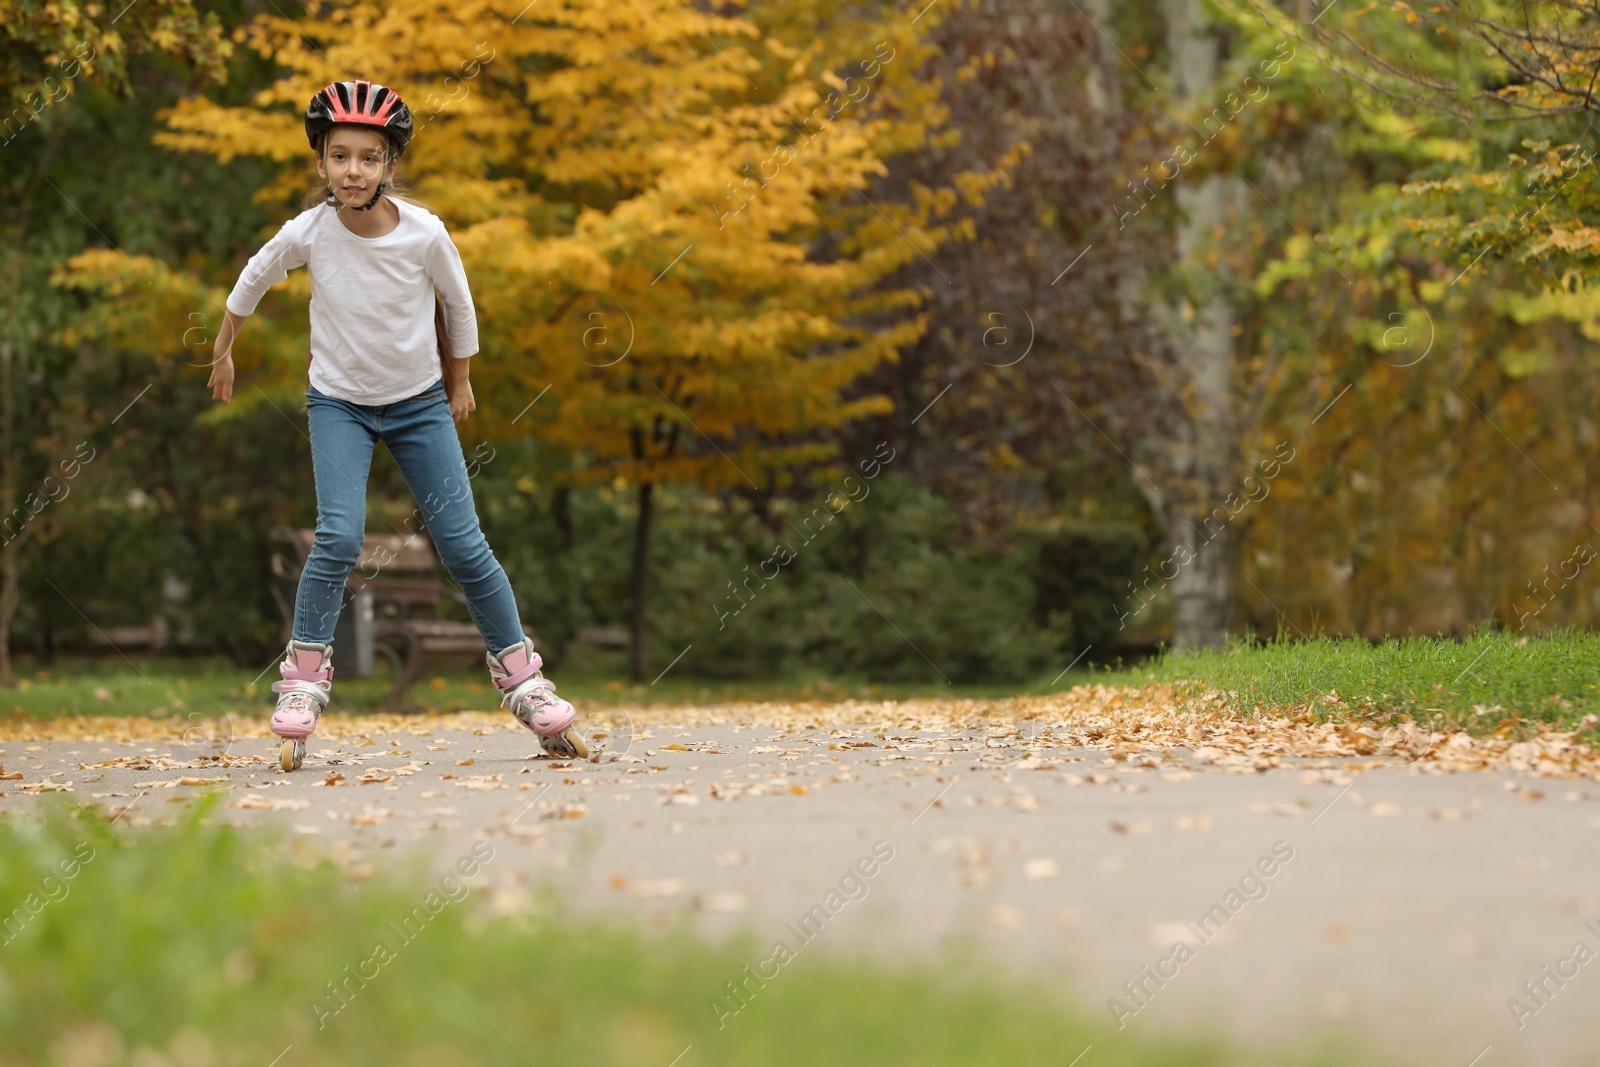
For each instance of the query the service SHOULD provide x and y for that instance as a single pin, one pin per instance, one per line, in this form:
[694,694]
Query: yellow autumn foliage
[666,216]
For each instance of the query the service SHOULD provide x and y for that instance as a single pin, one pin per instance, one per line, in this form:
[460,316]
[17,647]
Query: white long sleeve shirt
[372,333]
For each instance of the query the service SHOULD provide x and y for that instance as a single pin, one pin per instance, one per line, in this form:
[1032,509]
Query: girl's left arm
[449,277]
[462,403]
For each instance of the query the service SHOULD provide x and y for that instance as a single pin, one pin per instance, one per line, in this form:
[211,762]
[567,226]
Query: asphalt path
[1439,918]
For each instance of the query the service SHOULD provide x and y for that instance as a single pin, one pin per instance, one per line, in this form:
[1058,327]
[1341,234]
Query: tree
[52,49]
[1035,314]
[1439,412]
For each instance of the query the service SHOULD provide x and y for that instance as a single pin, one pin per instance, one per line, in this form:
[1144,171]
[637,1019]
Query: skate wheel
[292,753]
[575,739]
[568,746]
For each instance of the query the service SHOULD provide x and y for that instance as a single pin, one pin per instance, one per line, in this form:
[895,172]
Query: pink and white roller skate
[532,699]
[307,671]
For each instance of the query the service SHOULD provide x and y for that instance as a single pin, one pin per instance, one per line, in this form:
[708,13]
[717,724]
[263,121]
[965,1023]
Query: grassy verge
[181,687]
[199,944]
[1485,683]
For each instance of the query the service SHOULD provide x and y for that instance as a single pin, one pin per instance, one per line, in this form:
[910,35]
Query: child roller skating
[393,331]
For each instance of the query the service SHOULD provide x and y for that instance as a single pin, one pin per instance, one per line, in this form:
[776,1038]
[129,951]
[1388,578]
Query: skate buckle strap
[310,689]
[306,665]
[516,675]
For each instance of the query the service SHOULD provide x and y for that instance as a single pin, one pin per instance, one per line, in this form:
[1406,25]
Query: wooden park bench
[391,606]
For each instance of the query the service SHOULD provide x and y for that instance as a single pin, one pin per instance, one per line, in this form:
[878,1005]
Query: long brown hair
[445,351]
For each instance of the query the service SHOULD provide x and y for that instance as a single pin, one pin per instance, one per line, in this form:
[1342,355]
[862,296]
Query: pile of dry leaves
[1124,722]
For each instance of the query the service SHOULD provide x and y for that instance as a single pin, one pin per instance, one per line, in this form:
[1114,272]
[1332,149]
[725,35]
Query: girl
[375,262]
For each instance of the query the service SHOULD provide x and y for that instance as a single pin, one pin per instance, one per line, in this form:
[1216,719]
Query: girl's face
[354,160]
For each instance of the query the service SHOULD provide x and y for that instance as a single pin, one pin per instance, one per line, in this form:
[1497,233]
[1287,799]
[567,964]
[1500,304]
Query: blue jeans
[422,438]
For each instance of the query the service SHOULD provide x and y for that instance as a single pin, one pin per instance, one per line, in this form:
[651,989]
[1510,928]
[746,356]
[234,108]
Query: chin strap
[333,201]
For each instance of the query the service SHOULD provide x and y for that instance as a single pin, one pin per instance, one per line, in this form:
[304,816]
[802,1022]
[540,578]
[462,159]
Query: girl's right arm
[221,383]
[269,266]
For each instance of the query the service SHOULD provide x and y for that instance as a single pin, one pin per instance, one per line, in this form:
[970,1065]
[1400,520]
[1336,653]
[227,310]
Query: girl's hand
[221,382]
[462,404]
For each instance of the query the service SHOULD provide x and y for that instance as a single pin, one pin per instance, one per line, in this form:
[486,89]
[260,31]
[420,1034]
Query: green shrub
[1081,576]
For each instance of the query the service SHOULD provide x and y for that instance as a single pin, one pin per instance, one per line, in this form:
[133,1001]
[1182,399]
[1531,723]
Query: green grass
[1487,682]
[201,944]
[160,687]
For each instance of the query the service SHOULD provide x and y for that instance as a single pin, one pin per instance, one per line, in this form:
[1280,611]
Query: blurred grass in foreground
[206,945]
[1484,683]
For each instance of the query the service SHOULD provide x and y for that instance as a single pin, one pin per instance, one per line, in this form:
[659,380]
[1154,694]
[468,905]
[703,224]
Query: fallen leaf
[1041,868]
[1261,808]
[256,800]
[1165,935]
[728,903]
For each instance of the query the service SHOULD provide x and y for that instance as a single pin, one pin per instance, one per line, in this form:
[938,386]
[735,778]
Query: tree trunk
[562,506]
[8,497]
[11,348]
[641,572]
[1204,460]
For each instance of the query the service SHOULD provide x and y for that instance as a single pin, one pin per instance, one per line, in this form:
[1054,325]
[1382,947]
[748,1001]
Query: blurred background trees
[1175,318]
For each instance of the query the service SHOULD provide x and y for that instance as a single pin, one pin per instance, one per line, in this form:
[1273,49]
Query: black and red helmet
[359,103]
